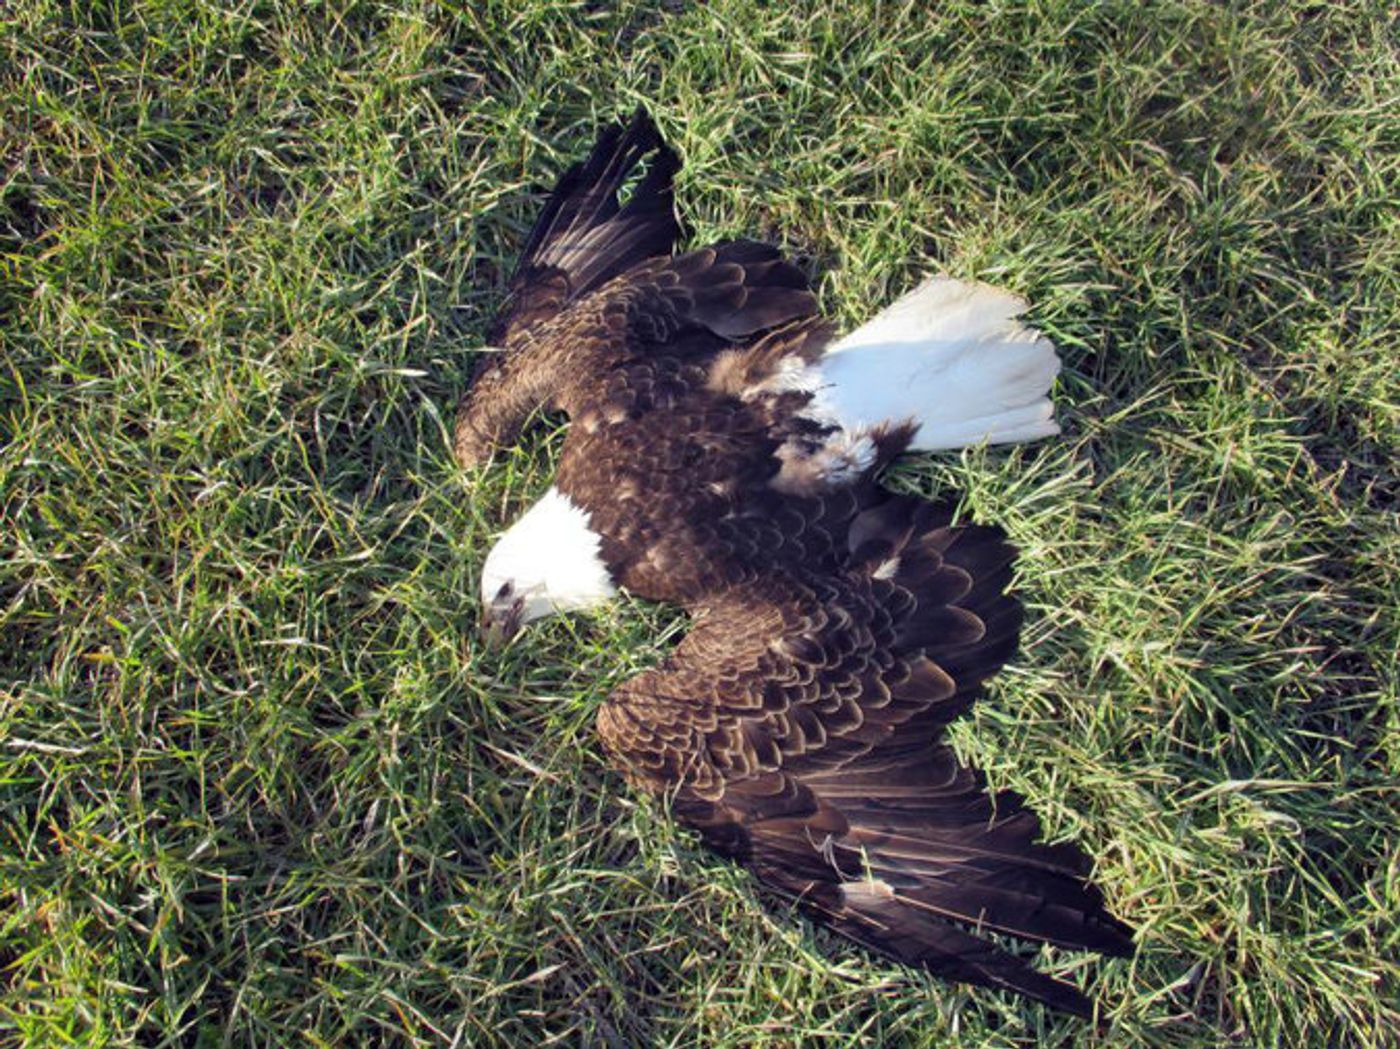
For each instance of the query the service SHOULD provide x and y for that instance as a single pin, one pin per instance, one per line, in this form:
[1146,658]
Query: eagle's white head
[547,562]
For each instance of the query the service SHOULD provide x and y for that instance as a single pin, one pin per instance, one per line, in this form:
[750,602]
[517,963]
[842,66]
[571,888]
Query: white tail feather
[949,355]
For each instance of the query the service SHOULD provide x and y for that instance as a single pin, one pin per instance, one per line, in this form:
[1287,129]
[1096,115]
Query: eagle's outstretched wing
[798,727]
[680,308]
[596,285]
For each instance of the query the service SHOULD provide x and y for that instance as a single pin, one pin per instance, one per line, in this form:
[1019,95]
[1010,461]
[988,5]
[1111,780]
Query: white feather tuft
[867,891]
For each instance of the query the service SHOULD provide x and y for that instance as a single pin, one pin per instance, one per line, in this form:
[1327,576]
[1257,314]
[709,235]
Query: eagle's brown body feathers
[837,629]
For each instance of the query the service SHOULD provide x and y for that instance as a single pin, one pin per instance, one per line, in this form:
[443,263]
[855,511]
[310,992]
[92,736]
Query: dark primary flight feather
[837,629]
[584,236]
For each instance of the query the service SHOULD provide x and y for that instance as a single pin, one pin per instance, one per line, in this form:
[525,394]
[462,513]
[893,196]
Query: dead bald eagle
[722,455]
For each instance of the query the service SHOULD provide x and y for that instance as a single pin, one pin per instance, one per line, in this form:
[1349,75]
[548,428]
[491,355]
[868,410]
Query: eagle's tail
[950,356]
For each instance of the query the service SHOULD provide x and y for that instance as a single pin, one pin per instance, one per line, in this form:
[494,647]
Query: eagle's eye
[507,588]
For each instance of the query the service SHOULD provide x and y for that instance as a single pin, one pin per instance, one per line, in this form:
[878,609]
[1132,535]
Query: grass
[260,786]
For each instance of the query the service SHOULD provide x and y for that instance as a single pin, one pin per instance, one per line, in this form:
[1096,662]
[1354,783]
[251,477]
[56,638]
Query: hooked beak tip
[497,630]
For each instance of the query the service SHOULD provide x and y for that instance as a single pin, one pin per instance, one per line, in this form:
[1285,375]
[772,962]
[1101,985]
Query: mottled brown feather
[806,714]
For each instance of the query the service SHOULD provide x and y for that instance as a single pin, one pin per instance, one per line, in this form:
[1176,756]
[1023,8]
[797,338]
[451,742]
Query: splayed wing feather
[584,236]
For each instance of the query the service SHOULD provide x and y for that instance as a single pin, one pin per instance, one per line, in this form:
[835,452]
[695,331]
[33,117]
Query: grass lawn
[259,784]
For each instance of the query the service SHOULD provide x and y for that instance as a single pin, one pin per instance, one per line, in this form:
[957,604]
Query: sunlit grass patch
[261,785]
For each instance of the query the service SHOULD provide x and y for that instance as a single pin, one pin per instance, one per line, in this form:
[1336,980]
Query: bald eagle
[722,455]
